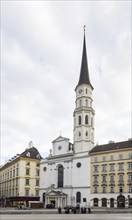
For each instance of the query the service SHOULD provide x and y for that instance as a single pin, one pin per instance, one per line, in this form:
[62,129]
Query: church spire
[84,72]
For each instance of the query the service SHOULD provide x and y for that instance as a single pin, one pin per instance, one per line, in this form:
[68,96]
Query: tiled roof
[31,153]
[112,146]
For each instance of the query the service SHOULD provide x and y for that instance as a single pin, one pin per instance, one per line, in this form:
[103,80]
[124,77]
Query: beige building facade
[111,175]
[20,177]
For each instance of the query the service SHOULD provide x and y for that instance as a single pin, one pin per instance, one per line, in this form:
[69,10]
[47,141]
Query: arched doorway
[104,202]
[95,202]
[44,198]
[120,201]
[111,203]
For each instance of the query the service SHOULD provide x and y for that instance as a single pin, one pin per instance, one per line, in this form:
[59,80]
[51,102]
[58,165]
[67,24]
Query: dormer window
[28,154]
[38,156]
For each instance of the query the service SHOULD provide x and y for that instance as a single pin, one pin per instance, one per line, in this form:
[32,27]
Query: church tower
[83,113]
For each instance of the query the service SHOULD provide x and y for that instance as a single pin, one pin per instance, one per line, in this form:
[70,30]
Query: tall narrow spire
[84,72]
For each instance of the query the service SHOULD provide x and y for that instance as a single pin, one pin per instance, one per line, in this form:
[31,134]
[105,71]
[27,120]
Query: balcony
[104,182]
[95,182]
[120,182]
[112,182]
[129,182]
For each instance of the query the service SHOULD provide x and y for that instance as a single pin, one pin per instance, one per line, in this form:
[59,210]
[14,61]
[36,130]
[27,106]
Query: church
[65,173]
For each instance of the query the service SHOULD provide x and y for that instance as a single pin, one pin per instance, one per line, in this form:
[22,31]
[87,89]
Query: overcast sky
[41,58]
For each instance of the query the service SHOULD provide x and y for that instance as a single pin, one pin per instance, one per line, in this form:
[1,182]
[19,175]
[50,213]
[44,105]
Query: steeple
[84,72]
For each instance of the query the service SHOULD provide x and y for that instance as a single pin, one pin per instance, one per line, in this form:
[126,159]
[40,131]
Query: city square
[124,216]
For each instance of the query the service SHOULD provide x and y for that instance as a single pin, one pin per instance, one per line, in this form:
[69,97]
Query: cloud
[41,58]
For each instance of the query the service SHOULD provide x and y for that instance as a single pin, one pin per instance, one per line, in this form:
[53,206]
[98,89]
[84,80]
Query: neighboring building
[111,174]
[20,177]
[65,173]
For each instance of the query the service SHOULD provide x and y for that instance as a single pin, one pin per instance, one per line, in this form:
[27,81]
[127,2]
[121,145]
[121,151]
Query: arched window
[104,202]
[60,176]
[86,103]
[79,120]
[95,202]
[86,119]
[79,134]
[86,134]
[80,102]
[92,122]
[78,197]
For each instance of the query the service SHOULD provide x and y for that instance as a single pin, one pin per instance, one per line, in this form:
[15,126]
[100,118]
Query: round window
[78,164]
[59,148]
[45,168]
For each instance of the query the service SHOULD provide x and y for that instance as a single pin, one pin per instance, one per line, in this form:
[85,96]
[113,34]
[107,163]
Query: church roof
[84,72]
[112,146]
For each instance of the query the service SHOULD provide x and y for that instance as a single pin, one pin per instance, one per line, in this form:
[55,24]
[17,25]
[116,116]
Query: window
[112,189]
[78,164]
[27,192]
[16,182]
[86,103]
[95,168]
[103,167]
[37,172]
[95,159]
[120,178]
[27,171]
[103,189]
[79,134]
[95,189]
[60,176]
[104,178]
[86,91]
[120,166]
[112,157]
[130,177]
[111,178]
[86,133]
[130,189]
[37,192]
[80,103]
[27,181]
[86,119]
[78,197]
[130,165]
[17,172]
[28,163]
[120,156]
[111,167]
[37,164]
[79,120]
[37,182]
[130,155]
[104,158]
[95,178]
[120,189]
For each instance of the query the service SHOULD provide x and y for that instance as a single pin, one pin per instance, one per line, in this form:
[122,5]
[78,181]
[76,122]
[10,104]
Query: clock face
[80,90]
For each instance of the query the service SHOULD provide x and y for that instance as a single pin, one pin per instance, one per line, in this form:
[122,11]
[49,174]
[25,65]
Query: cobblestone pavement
[122,216]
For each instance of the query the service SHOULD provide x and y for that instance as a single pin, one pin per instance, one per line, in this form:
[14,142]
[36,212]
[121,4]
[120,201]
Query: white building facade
[65,173]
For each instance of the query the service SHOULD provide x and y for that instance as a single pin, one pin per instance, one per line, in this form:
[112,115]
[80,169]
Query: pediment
[60,138]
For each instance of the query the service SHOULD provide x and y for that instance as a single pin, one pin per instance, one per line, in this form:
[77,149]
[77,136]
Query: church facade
[65,173]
